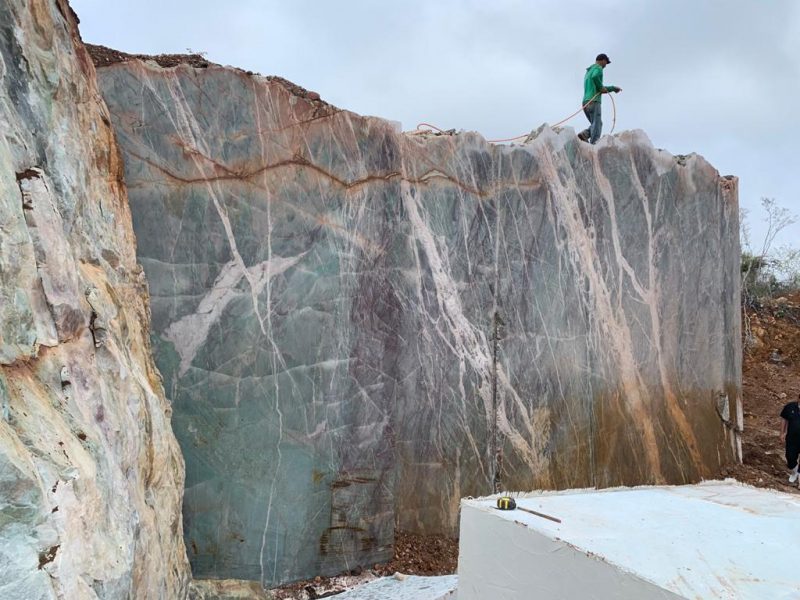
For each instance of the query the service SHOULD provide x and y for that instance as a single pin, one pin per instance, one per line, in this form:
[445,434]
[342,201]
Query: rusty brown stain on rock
[348,481]
[29,173]
[367,543]
[48,555]
[325,538]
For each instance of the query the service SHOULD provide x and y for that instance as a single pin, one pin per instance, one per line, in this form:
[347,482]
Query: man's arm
[604,89]
[597,80]
[785,414]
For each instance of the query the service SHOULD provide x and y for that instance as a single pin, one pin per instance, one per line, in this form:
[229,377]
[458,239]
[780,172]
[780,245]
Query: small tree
[766,272]
[786,264]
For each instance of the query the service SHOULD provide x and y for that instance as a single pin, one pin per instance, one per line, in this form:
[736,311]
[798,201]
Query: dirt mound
[422,555]
[103,57]
[771,331]
[771,378]
[413,555]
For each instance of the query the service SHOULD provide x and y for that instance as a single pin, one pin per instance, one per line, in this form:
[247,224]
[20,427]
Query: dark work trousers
[792,450]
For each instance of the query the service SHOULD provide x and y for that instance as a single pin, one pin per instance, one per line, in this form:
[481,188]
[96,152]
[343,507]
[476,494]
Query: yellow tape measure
[506,503]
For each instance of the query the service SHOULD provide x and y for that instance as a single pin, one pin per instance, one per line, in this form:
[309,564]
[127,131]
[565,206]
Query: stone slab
[710,540]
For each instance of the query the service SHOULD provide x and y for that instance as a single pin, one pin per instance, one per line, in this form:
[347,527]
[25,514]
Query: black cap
[603,57]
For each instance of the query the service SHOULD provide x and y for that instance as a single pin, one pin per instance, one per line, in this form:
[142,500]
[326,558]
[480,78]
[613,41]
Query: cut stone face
[346,316]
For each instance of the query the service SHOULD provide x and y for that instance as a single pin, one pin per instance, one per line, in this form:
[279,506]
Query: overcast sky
[717,77]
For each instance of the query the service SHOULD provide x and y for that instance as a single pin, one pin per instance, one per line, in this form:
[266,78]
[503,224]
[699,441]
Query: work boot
[793,475]
[584,135]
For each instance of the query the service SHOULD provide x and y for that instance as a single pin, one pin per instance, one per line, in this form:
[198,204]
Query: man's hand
[618,90]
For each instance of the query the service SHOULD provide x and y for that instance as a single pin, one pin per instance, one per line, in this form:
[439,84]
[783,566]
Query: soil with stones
[413,555]
[771,379]
[103,56]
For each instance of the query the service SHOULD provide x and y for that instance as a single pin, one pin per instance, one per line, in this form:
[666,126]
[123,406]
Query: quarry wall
[357,327]
[91,475]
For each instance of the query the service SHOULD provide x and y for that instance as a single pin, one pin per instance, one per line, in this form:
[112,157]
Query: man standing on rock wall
[790,429]
[593,90]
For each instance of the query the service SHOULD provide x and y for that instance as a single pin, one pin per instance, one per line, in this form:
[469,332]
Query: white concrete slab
[711,540]
[405,587]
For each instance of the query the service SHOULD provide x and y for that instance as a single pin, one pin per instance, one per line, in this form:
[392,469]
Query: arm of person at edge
[785,420]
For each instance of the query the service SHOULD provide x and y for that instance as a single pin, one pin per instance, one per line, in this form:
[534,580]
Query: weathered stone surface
[90,473]
[405,587]
[343,314]
[226,589]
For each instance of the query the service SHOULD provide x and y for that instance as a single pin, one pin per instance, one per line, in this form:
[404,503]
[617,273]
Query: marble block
[712,540]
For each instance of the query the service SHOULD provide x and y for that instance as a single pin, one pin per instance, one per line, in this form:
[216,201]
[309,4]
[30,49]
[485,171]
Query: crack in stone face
[325,294]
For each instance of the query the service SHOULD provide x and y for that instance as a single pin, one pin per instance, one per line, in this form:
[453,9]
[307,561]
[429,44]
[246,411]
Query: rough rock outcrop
[91,475]
[347,317]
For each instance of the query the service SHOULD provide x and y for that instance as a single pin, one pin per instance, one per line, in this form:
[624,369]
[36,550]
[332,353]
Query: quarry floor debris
[413,555]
